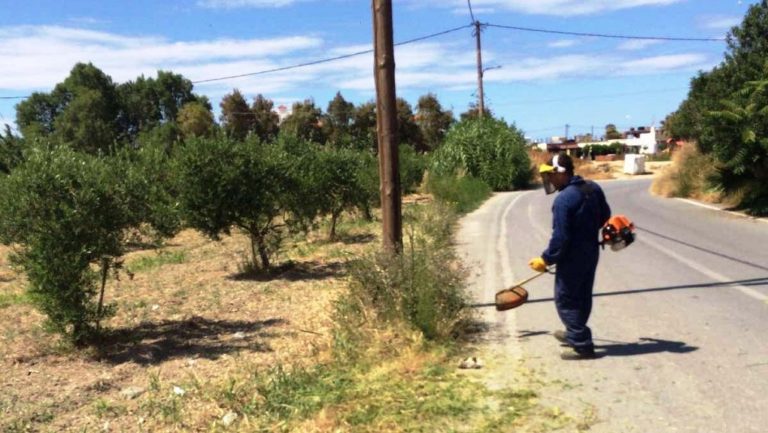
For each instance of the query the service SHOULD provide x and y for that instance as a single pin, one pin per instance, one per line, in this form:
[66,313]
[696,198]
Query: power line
[590,97]
[14,97]
[605,35]
[330,59]
[471,14]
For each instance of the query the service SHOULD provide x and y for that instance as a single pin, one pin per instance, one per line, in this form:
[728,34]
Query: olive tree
[225,183]
[61,212]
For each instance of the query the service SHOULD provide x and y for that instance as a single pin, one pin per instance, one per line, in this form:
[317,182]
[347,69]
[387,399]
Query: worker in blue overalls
[579,211]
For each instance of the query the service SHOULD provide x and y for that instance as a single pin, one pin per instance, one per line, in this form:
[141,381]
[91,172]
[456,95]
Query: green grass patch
[374,395]
[146,263]
[8,299]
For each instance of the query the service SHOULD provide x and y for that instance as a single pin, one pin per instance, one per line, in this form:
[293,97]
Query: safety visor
[546,180]
[547,171]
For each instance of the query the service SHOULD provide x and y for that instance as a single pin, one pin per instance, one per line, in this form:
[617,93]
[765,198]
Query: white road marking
[539,228]
[706,271]
[711,207]
[501,243]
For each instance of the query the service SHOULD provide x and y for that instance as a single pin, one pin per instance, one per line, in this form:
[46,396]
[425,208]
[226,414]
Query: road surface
[681,316]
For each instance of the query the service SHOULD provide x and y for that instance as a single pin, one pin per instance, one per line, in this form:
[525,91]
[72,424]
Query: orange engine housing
[618,232]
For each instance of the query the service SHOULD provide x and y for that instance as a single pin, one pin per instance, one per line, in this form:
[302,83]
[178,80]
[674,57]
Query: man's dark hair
[565,161]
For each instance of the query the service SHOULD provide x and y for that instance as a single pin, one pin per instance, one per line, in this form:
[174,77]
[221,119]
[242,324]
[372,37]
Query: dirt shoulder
[614,170]
[186,317]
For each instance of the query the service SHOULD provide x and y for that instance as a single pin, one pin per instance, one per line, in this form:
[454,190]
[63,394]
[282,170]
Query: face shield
[546,179]
[547,173]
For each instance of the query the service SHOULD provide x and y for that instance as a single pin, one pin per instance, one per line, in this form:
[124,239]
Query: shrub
[412,165]
[334,180]
[487,149]
[463,193]
[145,178]
[423,286]
[62,209]
[739,142]
[690,175]
[224,183]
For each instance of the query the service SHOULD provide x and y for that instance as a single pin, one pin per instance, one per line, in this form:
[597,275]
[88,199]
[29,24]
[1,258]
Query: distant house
[640,140]
[568,145]
[282,113]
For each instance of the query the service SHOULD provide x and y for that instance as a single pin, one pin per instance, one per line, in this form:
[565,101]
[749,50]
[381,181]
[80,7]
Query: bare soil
[176,323]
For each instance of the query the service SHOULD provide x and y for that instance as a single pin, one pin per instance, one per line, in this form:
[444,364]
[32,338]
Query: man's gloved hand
[538,264]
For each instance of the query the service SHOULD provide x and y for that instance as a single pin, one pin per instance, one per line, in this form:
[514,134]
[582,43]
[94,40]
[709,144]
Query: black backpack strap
[587,189]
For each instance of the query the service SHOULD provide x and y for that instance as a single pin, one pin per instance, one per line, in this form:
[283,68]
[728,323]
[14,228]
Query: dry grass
[588,169]
[687,176]
[203,340]
[177,324]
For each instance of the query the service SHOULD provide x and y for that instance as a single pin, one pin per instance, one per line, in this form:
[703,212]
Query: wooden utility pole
[480,97]
[386,125]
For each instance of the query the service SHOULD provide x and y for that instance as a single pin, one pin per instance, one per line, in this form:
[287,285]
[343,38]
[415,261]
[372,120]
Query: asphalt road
[680,317]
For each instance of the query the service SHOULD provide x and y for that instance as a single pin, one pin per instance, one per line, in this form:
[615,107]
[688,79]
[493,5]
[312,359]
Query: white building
[644,142]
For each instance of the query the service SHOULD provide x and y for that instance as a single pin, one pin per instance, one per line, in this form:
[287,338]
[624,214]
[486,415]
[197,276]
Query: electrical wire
[605,35]
[591,97]
[471,14]
[14,97]
[330,59]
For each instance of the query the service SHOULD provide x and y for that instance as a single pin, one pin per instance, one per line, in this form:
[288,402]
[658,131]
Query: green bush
[412,165]
[145,178]
[487,149]
[224,183]
[334,179]
[63,210]
[464,193]
[739,142]
[614,148]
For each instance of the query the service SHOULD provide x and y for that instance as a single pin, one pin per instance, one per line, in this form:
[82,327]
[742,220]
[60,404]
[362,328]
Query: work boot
[578,354]
[560,336]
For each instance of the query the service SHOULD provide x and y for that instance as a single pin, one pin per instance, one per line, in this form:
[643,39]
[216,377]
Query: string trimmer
[516,295]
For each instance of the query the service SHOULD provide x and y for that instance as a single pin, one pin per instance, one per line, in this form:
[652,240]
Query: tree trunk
[334,218]
[263,254]
[255,246]
[104,272]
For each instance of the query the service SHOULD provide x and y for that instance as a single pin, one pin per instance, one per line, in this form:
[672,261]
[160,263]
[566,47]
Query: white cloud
[656,64]
[43,56]
[475,10]
[554,7]
[719,22]
[563,43]
[232,4]
[636,44]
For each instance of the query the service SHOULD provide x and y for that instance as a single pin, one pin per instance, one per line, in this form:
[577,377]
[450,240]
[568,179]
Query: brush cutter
[515,295]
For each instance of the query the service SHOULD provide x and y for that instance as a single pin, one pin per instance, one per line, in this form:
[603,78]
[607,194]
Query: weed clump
[423,286]
[690,175]
[463,193]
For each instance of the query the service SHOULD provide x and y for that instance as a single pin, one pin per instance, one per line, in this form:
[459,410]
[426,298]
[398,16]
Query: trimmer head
[508,299]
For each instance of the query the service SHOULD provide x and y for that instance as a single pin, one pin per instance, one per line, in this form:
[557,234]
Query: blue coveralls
[579,211]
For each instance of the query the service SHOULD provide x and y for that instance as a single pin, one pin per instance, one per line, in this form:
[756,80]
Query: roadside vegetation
[692,174]
[204,276]
[725,116]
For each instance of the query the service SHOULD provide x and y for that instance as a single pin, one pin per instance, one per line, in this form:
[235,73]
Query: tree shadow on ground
[349,239]
[157,342]
[293,271]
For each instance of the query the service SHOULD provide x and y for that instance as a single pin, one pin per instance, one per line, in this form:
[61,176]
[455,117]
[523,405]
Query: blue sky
[541,82]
